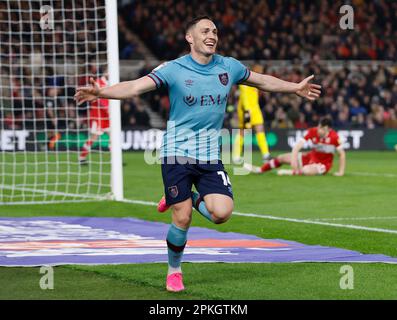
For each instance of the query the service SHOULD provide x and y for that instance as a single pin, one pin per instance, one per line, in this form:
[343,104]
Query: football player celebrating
[318,161]
[198,85]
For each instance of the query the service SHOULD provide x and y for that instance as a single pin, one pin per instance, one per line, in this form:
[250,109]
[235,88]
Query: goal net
[53,150]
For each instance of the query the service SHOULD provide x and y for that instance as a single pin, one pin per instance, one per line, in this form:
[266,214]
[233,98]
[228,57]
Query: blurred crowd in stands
[33,79]
[270,29]
[303,32]
[45,102]
[29,29]
[361,97]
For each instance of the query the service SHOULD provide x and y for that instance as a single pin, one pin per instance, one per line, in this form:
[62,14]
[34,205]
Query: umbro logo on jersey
[190,100]
[189,83]
[223,78]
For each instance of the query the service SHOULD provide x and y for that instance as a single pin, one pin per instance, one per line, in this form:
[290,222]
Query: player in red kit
[98,117]
[318,161]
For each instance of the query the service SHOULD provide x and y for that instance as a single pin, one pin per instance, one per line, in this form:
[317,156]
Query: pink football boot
[174,282]
[162,205]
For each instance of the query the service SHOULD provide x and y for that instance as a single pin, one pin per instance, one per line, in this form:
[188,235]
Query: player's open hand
[338,174]
[308,90]
[89,93]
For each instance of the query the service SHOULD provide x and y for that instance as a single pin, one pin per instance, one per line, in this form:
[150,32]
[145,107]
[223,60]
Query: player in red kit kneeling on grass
[318,161]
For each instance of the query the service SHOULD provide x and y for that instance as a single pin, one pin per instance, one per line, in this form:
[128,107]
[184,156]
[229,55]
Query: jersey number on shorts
[225,178]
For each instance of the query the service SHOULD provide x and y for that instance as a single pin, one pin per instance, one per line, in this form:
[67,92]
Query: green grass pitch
[365,197]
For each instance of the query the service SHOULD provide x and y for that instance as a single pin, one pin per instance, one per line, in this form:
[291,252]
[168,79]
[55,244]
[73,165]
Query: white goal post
[115,114]
[47,49]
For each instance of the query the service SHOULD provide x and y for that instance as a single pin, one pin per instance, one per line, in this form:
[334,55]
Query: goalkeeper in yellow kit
[250,116]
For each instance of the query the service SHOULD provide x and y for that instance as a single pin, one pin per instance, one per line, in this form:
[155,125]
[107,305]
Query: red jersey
[100,103]
[323,149]
[99,111]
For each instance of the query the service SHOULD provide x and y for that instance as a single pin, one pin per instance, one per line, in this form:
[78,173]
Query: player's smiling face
[203,37]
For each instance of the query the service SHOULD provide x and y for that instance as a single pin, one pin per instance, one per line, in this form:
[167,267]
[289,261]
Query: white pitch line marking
[373,174]
[306,221]
[54,193]
[351,218]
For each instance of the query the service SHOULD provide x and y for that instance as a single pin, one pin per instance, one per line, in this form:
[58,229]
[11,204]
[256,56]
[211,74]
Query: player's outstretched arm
[342,162]
[119,91]
[304,89]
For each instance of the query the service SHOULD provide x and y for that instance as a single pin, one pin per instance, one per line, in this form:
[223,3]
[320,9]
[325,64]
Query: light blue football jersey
[198,96]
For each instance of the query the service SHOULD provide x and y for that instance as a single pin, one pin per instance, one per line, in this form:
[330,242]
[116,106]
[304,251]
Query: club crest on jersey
[223,78]
[173,191]
[190,100]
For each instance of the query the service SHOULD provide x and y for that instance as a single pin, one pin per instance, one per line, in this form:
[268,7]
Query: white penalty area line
[373,174]
[305,221]
[355,219]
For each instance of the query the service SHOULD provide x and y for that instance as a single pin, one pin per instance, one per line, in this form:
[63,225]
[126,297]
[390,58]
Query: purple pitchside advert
[76,240]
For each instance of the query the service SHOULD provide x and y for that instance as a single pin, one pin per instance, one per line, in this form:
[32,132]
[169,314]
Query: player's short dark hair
[194,21]
[326,122]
